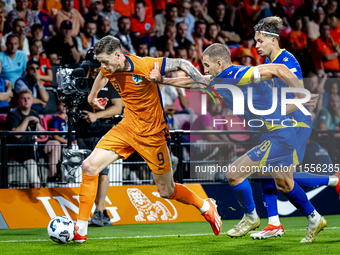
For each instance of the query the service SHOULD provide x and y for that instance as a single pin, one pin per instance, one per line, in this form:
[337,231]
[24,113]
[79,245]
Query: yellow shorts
[154,149]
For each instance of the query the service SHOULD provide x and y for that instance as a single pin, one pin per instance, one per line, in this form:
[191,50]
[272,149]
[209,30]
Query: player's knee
[232,179]
[166,191]
[165,194]
[283,186]
[88,168]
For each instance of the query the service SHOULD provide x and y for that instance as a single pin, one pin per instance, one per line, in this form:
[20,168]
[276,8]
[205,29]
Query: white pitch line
[140,237]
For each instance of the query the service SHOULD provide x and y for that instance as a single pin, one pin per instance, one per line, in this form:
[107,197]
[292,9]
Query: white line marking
[157,236]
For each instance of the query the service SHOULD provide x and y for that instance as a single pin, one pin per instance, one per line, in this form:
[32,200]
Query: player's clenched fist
[156,77]
[98,103]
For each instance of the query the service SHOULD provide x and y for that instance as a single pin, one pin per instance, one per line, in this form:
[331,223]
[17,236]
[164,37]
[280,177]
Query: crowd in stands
[39,34]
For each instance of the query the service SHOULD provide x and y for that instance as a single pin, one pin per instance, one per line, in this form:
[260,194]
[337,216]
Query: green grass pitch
[176,238]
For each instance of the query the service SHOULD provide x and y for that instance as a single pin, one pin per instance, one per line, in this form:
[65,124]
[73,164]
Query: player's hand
[90,117]
[312,101]
[156,77]
[98,103]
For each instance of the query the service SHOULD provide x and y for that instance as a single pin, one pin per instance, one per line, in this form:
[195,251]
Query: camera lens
[82,85]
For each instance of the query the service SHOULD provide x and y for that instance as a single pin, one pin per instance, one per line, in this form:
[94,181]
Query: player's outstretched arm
[98,84]
[176,64]
[267,72]
[181,82]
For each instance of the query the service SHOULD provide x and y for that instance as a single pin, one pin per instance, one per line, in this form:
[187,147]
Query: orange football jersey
[144,114]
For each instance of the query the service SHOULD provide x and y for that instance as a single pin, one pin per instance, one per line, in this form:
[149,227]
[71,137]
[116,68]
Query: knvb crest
[137,79]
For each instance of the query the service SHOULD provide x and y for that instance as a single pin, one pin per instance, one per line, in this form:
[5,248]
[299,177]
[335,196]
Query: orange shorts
[154,149]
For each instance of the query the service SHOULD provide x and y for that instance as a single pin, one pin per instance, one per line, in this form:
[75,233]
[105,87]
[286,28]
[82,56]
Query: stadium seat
[47,119]
[3,121]
[54,69]
[51,106]
[45,126]
[233,50]
[236,127]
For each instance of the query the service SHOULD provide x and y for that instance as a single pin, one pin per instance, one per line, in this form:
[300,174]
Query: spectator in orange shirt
[333,20]
[159,6]
[82,6]
[69,13]
[124,7]
[45,74]
[298,45]
[244,58]
[248,43]
[52,7]
[326,52]
[127,8]
[253,12]
[198,35]
[296,38]
[142,27]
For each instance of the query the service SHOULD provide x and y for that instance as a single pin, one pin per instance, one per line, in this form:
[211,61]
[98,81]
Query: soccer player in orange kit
[144,129]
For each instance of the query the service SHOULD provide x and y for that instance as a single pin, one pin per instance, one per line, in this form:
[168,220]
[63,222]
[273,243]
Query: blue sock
[299,199]
[269,196]
[244,195]
[308,180]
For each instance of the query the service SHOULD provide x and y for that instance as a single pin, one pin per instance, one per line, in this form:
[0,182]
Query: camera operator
[92,126]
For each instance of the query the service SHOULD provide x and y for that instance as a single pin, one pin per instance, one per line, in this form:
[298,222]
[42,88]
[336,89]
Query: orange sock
[186,196]
[87,195]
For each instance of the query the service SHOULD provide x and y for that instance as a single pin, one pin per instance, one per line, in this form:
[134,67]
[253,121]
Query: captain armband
[257,75]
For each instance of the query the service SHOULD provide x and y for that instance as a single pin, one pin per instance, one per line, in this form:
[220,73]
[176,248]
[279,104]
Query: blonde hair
[24,91]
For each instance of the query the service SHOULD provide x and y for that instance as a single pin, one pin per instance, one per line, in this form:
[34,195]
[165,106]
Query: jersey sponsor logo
[148,211]
[137,78]
[147,26]
[293,70]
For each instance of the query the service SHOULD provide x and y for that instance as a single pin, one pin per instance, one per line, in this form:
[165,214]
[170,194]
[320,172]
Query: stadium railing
[210,159]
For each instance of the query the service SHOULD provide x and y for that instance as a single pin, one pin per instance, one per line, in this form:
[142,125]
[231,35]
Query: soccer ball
[61,229]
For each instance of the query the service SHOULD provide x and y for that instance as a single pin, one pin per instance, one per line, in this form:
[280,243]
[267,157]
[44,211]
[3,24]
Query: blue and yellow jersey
[286,58]
[262,96]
